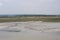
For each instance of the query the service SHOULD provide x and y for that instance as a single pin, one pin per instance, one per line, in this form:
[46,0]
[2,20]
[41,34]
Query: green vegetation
[20,19]
[51,19]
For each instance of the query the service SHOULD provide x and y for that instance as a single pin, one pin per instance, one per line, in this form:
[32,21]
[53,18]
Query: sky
[30,7]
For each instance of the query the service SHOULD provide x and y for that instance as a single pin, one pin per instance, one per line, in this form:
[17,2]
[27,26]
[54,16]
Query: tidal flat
[32,30]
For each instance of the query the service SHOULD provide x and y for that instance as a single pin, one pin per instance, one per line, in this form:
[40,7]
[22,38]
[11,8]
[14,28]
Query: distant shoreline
[22,19]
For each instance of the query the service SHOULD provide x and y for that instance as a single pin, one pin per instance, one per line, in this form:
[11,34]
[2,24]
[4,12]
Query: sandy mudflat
[30,31]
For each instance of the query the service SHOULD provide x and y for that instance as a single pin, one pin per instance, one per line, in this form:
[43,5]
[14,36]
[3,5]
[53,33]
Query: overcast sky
[29,6]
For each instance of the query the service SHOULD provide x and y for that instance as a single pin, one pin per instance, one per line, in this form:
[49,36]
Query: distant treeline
[7,16]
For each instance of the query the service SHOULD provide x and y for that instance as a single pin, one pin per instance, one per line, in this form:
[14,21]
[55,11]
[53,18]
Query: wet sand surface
[31,31]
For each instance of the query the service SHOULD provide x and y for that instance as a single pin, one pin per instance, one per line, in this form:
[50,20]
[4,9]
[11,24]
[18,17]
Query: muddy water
[32,31]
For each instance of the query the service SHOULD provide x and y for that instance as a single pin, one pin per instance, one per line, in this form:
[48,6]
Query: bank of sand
[31,31]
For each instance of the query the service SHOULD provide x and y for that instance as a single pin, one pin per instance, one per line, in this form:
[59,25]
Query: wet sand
[31,31]
[29,36]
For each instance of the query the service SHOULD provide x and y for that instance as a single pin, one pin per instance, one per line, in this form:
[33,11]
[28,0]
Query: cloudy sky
[29,6]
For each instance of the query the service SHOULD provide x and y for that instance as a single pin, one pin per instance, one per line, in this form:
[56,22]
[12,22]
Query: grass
[19,19]
[51,20]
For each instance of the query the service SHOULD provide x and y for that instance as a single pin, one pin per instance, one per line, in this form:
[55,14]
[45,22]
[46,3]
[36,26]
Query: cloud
[30,6]
[1,4]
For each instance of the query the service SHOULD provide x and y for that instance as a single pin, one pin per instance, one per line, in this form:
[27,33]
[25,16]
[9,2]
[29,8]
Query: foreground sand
[31,31]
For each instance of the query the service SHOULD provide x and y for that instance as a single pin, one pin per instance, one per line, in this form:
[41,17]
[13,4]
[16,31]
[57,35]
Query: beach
[32,30]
